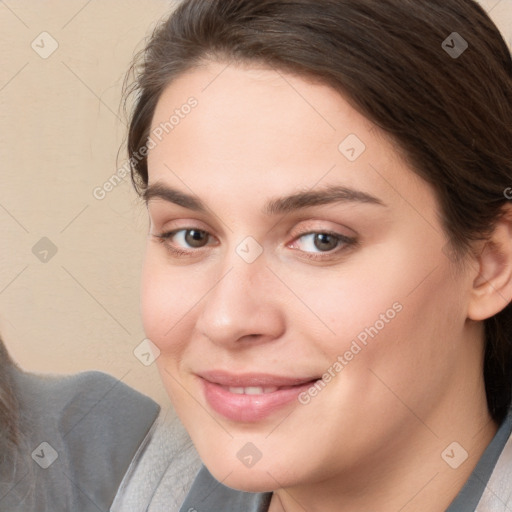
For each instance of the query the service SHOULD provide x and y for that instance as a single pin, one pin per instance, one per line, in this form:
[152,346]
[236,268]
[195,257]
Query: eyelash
[347,242]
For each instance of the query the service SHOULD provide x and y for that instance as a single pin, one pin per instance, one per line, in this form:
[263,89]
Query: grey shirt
[208,495]
[162,472]
[79,435]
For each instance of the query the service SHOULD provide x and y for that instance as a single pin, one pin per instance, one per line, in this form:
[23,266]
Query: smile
[252,390]
[251,398]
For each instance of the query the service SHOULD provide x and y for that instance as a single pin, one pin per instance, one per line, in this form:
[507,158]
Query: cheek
[342,303]
[411,318]
[168,298]
[396,302]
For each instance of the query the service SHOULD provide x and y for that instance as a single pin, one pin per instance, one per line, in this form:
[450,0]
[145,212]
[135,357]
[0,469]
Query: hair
[450,116]
[9,429]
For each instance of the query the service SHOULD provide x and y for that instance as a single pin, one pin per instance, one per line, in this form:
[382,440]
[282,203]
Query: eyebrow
[277,206]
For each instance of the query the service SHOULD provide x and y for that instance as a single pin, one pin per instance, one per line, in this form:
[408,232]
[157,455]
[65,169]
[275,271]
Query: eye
[314,245]
[184,241]
[322,242]
[195,238]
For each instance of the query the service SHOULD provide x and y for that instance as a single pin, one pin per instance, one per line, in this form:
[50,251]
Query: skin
[373,437]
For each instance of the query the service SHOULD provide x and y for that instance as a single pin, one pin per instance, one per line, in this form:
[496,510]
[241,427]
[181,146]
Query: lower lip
[250,408]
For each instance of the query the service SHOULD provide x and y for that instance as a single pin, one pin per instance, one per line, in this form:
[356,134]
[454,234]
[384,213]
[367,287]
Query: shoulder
[84,403]
[497,495]
[88,427]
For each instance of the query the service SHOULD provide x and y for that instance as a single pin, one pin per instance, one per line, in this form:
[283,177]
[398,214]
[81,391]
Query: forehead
[259,108]
[262,130]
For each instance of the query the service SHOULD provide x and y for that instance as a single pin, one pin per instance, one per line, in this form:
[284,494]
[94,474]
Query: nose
[243,305]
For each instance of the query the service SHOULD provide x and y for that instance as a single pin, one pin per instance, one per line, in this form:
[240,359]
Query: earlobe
[492,286]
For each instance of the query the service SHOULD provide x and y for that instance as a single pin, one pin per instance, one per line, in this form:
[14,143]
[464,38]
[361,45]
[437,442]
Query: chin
[251,482]
[246,479]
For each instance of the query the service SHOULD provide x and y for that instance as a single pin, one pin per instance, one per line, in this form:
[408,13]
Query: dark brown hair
[450,115]
[9,430]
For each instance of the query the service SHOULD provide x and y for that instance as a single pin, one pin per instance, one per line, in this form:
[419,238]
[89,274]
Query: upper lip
[244,380]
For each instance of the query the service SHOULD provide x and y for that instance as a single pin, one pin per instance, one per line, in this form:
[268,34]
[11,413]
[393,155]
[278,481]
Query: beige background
[62,128]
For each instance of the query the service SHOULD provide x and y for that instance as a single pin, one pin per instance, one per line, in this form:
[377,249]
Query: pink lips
[247,398]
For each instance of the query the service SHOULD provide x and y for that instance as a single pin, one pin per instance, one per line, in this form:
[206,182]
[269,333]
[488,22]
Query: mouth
[248,398]
[253,390]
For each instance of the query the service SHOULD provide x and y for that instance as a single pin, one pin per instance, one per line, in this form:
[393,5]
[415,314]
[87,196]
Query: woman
[67,441]
[328,272]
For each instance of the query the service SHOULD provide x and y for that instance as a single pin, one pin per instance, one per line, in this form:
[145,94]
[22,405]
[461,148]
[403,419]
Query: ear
[492,286]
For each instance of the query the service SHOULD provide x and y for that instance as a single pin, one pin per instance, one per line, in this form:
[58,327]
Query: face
[294,280]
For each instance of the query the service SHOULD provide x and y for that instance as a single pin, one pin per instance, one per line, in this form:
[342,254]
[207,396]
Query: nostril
[251,337]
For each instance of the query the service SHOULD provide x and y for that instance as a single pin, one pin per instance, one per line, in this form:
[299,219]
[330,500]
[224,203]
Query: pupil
[195,238]
[325,242]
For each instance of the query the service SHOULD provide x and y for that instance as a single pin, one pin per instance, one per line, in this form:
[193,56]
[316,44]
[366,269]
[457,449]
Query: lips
[248,398]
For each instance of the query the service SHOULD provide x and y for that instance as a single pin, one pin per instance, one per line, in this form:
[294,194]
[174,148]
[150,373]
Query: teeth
[253,390]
